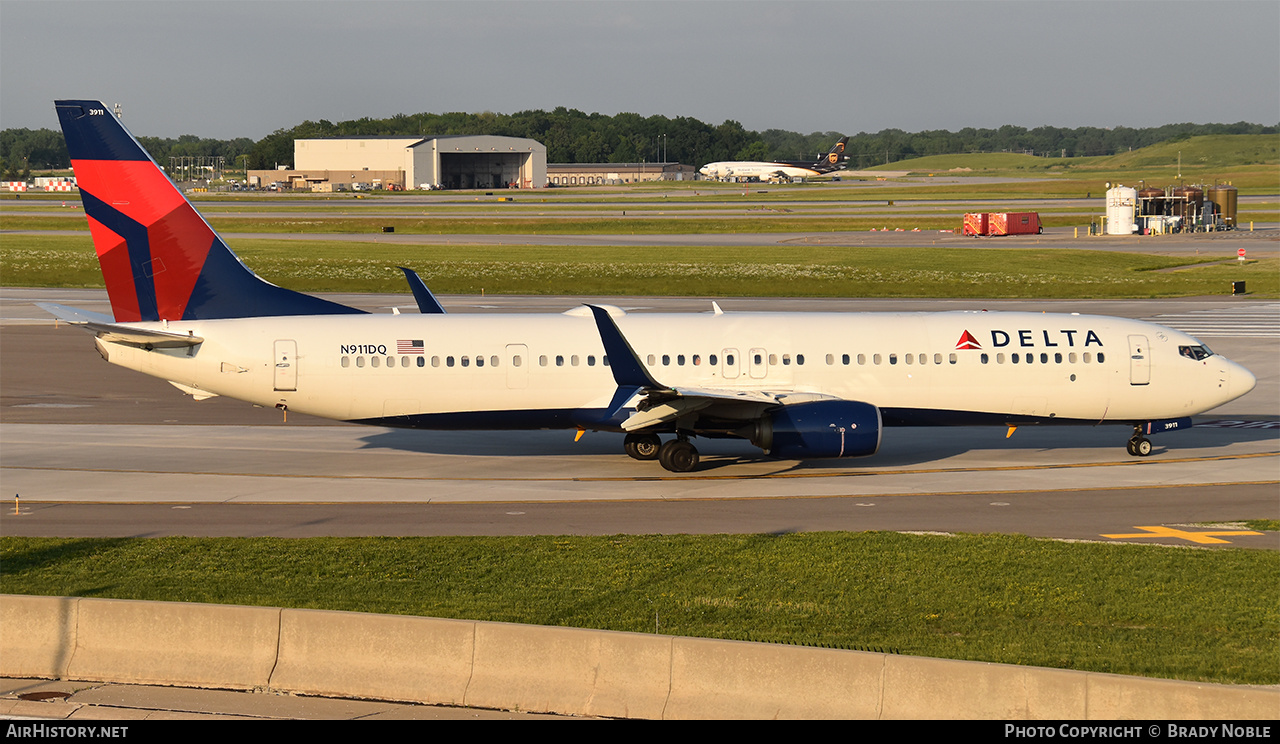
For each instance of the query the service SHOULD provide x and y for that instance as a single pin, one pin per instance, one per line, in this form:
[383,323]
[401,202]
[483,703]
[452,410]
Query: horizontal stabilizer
[150,339]
[73,314]
[105,328]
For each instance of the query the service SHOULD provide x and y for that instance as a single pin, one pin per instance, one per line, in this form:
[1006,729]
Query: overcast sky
[244,69]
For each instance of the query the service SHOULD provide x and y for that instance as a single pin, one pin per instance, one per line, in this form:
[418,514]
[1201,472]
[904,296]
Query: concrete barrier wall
[562,670]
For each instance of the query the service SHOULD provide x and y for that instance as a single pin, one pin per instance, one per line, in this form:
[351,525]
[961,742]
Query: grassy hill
[1216,151]
[1249,161]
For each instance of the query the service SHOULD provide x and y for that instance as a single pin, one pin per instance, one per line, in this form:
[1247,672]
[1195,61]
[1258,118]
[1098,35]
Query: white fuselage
[544,371]
[753,169]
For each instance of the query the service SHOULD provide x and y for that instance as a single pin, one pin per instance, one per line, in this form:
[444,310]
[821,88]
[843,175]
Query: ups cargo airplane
[744,170]
[798,385]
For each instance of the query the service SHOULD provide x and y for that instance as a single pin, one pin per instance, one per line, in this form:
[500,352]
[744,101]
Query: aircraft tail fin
[834,157]
[159,258]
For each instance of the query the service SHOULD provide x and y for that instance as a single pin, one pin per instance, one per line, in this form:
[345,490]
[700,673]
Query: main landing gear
[677,455]
[642,446]
[1138,446]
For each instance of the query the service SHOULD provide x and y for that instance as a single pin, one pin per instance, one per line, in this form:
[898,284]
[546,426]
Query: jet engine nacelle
[828,428]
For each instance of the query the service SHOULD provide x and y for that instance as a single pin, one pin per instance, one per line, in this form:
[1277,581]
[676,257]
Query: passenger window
[773,360]
[680,359]
[1085,357]
[759,359]
[831,359]
[493,360]
[666,360]
[952,358]
[479,360]
[937,359]
[346,361]
[605,360]
[697,360]
[786,359]
[404,361]
[729,360]
[359,361]
[908,359]
[1071,357]
[1000,358]
[799,358]
[1015,357]
[651,360]
[893,359]
[1044,358]
[1101,357]
[435,361]
[542,360]
[573,360]
[875,359]
[515,361]
[375,361]
[1057,358]
[448,361]
[559,360]
[985,358]
[466,361]
[862,359]
[422,361]
[591,360]
[712,360]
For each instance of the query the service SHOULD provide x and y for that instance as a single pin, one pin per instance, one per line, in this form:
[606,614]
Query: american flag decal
[409,346]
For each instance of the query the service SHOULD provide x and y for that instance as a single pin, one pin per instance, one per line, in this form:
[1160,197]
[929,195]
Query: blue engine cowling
[836,428]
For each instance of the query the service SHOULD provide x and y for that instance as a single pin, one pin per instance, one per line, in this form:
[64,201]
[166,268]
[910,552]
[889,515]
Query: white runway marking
[1248,321]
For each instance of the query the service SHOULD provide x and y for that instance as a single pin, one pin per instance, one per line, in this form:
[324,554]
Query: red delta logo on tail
[160,259]
[150,242]
[967,341]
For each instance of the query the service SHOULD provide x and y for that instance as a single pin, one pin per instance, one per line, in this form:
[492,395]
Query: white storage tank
[1122,203]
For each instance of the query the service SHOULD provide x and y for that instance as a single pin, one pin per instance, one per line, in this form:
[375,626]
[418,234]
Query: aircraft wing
[105,328]
[661,406]
[661,403]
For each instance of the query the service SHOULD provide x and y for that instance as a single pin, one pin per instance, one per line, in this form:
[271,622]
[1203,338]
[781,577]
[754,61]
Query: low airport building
[595,174]
[399,162]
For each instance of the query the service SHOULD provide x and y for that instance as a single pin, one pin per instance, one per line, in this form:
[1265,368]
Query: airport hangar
[448,161]
[441,161]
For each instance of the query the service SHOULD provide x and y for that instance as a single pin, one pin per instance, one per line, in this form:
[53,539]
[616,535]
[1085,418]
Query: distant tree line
[574,137]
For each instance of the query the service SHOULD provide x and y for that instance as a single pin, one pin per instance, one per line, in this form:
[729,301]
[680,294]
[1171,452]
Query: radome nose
[1239,380]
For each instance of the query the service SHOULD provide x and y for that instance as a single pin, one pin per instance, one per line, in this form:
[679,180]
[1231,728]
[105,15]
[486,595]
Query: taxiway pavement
[78,435]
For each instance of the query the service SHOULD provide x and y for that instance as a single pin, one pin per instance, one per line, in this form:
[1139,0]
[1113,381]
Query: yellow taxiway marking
[1203,538]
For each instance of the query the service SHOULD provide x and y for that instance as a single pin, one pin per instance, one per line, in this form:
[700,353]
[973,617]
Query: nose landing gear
[1138,446]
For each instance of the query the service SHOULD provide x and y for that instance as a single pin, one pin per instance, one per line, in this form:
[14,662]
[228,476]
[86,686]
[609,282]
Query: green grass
[1208,615]
[803,270]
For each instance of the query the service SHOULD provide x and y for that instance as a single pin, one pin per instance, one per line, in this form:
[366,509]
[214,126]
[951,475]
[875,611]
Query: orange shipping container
[975,223]
[1014,223]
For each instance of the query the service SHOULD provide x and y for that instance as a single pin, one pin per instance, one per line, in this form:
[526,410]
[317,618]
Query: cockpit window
[1195,352]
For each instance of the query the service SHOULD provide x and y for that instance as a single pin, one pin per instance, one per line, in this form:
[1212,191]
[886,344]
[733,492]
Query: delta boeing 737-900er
[797,385]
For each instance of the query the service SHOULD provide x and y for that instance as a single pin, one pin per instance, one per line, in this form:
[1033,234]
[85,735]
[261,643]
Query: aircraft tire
[642,446]
[678,456]
[1139,446]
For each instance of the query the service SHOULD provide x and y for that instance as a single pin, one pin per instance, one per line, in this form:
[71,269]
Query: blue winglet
[427,302]
[627,369]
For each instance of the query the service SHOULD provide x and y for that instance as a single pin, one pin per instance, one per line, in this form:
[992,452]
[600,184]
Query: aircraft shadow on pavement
[900,447]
